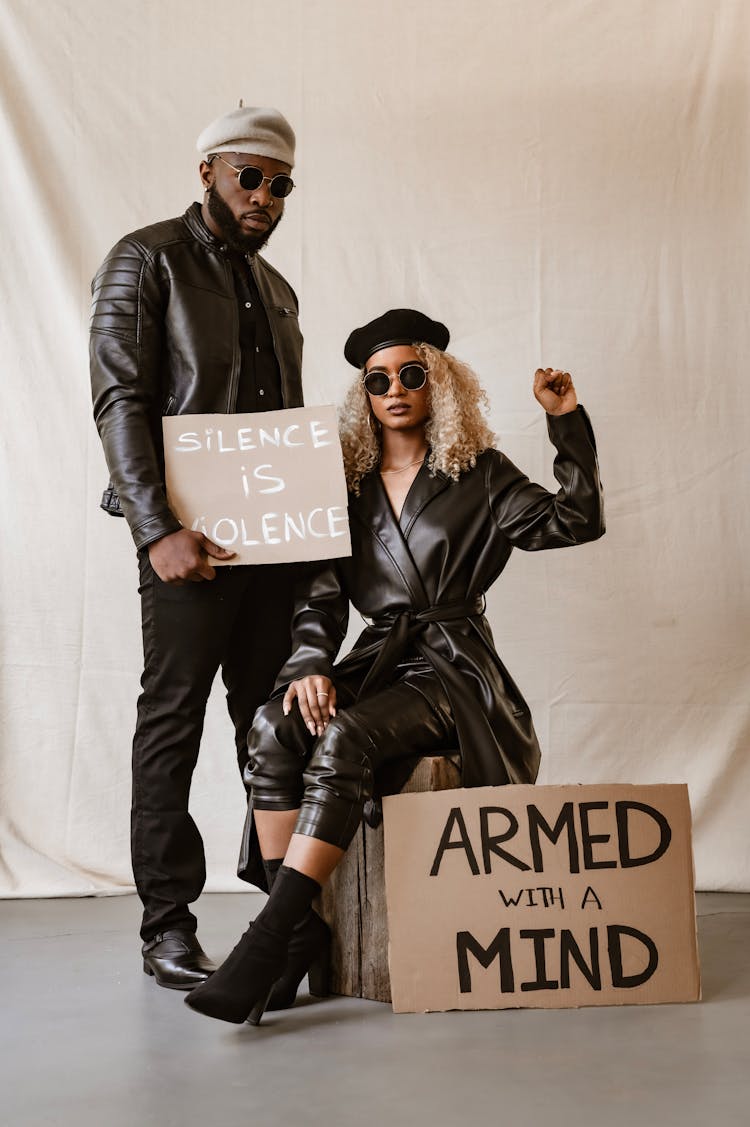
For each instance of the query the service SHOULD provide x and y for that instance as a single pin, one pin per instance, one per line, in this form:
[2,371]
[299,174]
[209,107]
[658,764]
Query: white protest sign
[268,486]
[548,896]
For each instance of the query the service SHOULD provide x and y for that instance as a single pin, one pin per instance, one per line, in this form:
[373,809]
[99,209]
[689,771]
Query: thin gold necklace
[402,468]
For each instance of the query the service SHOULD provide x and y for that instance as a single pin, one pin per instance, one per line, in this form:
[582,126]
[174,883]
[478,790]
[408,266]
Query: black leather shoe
[176,960]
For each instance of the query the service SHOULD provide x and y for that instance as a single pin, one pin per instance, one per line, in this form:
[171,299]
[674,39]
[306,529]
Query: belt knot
[404,626]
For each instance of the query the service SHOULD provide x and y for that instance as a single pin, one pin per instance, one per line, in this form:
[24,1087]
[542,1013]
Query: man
[188,318]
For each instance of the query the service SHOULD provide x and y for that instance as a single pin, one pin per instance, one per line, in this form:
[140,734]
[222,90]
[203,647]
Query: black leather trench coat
[420,580]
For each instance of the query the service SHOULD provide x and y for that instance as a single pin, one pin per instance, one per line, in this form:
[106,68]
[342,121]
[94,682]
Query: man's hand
[316,698]
[183,556]
[554,390]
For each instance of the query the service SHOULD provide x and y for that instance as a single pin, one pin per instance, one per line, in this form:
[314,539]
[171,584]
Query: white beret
[250,129]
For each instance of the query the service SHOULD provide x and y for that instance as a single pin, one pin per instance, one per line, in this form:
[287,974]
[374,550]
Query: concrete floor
[88,1040]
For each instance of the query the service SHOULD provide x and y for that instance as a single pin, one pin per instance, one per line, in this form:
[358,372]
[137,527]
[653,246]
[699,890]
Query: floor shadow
[723,944]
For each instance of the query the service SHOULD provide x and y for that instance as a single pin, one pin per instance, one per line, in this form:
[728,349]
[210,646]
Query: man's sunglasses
[411,377]
[251,178]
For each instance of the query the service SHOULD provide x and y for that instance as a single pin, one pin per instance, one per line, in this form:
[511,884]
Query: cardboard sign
[268,486]
[540,897]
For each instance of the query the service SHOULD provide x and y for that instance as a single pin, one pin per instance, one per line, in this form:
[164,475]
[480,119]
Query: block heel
[319,974]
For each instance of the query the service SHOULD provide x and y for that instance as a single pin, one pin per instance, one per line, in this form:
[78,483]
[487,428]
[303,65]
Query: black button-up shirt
[260,378]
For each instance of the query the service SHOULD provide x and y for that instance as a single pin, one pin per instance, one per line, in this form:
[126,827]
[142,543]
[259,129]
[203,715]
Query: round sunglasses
[411,376]
[251,178]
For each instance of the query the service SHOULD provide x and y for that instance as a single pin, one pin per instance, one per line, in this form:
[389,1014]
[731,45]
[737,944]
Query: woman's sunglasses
[411,377]
[251,178]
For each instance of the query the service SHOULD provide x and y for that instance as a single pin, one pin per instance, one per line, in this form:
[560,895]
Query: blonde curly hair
[456,431]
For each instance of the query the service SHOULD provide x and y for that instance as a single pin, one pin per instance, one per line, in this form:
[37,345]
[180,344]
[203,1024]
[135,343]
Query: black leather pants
[238,622]
[331,777]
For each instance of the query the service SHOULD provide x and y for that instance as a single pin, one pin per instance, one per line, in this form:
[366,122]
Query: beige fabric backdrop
[565,183]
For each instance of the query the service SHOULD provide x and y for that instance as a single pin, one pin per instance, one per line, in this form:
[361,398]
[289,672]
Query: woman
[435,513]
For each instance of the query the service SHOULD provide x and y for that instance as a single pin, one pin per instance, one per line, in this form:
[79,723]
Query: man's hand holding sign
[184,556]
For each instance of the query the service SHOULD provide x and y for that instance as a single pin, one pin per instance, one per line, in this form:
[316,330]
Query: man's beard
[245,242]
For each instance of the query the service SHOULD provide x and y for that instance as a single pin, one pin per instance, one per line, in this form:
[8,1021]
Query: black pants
[239,622]
[331,777]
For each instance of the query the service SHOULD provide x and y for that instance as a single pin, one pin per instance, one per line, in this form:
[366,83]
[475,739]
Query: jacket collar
[193,219]
[194,222]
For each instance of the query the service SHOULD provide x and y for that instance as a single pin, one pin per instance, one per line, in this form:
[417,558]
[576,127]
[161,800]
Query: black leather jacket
[165,341]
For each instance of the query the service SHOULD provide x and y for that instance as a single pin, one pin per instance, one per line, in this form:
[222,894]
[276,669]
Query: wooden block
[353,901]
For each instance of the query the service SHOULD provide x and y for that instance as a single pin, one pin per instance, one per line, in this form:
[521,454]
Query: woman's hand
[554,390]
[316,697]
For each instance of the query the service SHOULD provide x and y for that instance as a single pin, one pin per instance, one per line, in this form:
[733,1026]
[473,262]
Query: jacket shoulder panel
[115,291]
[152,238]
[117,287]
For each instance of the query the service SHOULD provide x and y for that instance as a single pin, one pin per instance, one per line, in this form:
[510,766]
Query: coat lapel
[424,489]
[373,511]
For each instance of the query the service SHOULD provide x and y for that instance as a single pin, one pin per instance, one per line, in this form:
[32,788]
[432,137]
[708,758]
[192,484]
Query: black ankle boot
[239,990]
[309,953]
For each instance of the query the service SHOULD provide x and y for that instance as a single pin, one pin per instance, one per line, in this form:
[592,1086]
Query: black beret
[397,326]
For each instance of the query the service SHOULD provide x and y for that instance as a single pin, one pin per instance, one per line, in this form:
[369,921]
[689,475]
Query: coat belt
[404,628]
